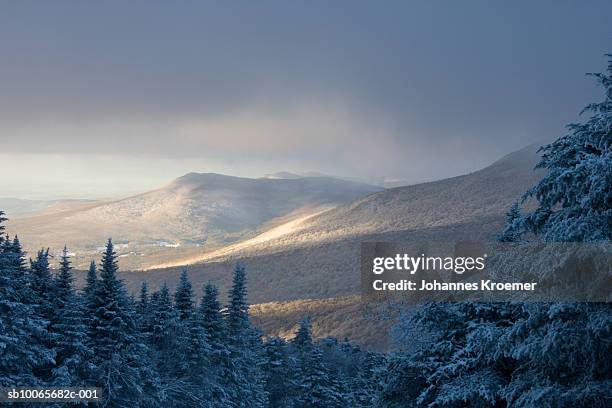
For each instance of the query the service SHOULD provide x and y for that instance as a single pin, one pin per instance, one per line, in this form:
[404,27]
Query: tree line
[161,348]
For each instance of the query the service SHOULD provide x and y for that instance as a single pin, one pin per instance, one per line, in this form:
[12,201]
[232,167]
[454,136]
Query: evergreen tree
[196,368]
[21,327]
[42,284]
[73,362]
[246,380]
[166,333]
[316,388]
[143,301]
[303,338]
[211,317]
[280,369]
[68,329]
[64,280]
[90,280]
[575,196]
[183,297]
[120,356]
[238,309]
[219,356]
[15,258]
[513,230]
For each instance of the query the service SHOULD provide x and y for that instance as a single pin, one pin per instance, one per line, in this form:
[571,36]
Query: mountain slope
[194,211]
[459,200]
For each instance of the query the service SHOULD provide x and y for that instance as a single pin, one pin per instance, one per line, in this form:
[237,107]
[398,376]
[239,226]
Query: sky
[103,99]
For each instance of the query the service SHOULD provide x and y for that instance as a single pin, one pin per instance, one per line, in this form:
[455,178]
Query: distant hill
[310,265]
[466,206]
[194,212]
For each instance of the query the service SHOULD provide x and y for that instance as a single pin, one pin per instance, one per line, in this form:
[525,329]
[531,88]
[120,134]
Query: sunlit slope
[320,259]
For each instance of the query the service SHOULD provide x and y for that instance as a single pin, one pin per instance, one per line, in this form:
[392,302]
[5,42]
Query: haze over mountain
[194,212]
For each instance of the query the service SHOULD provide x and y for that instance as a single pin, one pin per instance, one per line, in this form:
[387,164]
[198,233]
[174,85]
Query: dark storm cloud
[380,88]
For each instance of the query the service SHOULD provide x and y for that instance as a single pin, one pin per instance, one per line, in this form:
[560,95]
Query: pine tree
[143,301]
[513,230]
[246,379]
[64,280]
[183,297]
[120,356]
[219,356]
[210,312]
[316,388]
[196,364]
[91,280]
[42,284]
[16,257]
[166,333]
[74,354]
[303,338]
[68,329]
[280,369]
[575,196]
[238,309]
[559,348]
[21,327]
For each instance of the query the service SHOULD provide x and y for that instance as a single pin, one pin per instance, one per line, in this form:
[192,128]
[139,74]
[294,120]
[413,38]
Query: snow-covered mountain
[318,256]
[193,213]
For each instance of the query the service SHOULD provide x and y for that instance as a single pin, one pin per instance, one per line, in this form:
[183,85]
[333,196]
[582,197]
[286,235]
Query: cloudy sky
[107,98]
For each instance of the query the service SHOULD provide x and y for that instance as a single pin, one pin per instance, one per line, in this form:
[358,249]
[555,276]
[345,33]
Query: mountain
[310,265]
[457,205]
[195,212]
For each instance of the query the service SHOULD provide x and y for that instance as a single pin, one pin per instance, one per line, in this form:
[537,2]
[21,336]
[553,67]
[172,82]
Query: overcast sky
[106,98]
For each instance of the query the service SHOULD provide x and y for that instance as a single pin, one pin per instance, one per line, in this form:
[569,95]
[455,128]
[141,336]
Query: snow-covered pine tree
[44,294]
[42,284]
[192,336]
[560,349]
[73,362]
[214,325]
[238,309]
[64,280]
[165,333]
[174,351]
[514,225]
[142,306]
[183,297]
[281,369]
[120,357]
[68,329]
[575,195]
[316,388]
[302,341]
[246,379]
[90,280]
[196,367]
[210,312]
[21,327]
